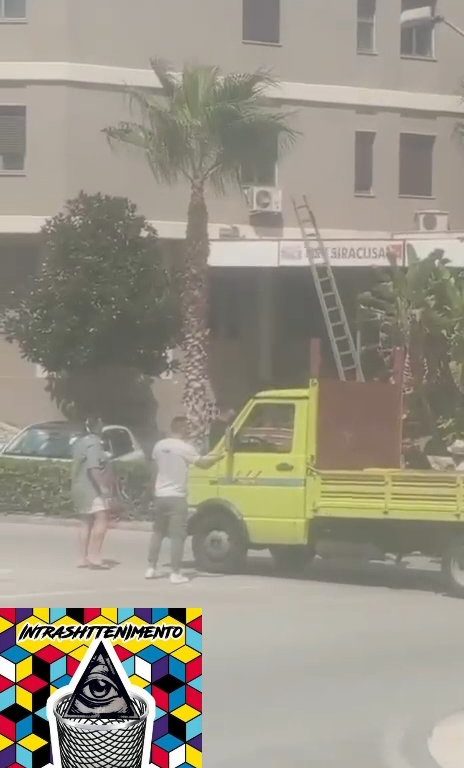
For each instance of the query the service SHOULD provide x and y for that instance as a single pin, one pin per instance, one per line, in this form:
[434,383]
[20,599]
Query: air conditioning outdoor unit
[264,199]
[432,221]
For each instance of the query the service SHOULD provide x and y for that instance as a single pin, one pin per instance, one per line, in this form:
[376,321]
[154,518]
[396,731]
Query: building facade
[376,102]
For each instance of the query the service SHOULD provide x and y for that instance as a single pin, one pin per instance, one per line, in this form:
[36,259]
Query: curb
[59,522]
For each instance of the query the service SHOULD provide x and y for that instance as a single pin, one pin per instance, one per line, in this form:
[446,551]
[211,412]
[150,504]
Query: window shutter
[12,130]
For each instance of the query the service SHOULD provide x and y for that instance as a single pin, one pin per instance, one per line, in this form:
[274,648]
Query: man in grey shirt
[92,493]
[172,457]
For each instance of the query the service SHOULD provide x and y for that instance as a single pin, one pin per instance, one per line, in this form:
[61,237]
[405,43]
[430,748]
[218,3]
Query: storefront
[264,313]
[265,308]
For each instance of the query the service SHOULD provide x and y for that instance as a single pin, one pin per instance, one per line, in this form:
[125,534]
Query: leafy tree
[102,312]
[203,129]
[420,310]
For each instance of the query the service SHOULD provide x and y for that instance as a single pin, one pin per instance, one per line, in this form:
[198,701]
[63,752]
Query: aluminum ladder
[346,356]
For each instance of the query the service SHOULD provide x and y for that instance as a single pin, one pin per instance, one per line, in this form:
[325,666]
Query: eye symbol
[100,692]
[100,689]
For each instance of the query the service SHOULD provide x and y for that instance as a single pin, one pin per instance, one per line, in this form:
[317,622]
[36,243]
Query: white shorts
[99,505]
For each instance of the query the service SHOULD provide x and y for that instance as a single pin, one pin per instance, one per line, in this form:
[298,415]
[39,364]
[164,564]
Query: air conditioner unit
[264,199]
[432,221]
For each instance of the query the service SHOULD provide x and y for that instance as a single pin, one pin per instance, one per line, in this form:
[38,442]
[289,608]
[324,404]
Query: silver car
[54,441]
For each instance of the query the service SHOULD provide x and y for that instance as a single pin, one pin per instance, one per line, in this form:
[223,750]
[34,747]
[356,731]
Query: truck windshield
[268,429]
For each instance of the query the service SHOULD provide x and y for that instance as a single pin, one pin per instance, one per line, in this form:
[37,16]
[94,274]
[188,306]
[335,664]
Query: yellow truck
[317,471]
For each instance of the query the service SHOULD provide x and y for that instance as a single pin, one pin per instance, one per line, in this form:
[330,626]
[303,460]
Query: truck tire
[452,566]
[291,560]
[218,544]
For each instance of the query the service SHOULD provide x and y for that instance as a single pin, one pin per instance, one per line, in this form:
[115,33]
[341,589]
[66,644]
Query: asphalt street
[348,667]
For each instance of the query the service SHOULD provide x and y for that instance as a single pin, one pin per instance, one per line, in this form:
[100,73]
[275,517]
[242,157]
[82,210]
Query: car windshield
[43,442]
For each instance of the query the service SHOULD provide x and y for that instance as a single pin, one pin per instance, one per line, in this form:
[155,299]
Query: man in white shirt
[173,456]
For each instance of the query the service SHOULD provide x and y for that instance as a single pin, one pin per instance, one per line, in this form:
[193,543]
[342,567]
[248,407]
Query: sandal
[99,566]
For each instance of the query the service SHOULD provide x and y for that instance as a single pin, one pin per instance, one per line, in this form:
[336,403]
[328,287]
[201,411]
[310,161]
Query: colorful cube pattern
[171,671]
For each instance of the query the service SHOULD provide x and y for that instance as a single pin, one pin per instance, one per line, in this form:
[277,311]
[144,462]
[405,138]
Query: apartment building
[376,94]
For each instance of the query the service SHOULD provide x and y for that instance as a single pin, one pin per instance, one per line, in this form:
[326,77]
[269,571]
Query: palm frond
[168,79]
[411,254]
[248,138]
[199,83]
[206,126]
[162,133]
[244,87]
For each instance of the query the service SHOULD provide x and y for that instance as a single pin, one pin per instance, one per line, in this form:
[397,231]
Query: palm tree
[203,129]
[420,311]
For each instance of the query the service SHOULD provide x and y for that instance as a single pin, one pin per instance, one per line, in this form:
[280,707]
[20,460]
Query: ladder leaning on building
[346,355]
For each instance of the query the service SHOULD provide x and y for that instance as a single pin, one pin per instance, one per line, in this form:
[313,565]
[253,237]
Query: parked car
[54,440]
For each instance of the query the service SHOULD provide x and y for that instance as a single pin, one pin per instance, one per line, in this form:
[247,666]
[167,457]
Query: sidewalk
[27,518]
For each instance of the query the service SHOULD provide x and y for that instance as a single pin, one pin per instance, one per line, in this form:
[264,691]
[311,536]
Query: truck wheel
[452,566]
[218,545]
[291,560]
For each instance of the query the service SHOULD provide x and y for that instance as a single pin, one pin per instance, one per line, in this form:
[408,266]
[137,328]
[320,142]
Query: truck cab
[256,494]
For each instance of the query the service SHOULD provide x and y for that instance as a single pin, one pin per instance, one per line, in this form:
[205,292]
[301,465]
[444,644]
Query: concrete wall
[67,152]
[22,395]
[318,39]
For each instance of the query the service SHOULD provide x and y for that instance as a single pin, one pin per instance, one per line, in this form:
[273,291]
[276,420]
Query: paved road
[342,669]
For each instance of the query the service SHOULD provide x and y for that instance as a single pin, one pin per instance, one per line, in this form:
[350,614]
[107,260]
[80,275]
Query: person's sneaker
[152,573]
[178,578]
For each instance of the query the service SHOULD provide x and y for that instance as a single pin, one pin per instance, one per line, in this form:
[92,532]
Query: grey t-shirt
[88,454]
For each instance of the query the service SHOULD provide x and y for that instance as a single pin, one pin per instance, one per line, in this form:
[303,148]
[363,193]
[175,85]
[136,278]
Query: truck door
[266,479]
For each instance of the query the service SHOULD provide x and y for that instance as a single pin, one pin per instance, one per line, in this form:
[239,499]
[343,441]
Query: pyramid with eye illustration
[100,692]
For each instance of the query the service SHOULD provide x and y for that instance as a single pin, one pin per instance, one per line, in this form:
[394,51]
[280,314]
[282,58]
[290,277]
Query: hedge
[44,487]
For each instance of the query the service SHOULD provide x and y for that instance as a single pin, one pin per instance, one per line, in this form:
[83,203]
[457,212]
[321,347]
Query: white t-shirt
[173,458]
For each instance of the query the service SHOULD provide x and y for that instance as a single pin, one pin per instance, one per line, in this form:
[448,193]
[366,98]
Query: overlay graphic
[100,687]
[100,692]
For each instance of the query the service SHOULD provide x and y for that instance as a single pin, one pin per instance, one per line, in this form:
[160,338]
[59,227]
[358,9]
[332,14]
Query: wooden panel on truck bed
[359,425]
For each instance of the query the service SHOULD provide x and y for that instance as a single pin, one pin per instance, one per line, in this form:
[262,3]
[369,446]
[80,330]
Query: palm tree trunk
[195,338]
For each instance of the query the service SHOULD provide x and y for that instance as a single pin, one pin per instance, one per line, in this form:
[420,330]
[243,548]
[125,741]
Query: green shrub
[44,487]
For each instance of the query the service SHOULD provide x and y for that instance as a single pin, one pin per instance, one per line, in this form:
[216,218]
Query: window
[366,26]
[12,9]
[416,164]
[364,162]
[268,429]
[260,169]
[261,21]
[12,138]
[418,39]
[43,442]
[119,442]
[19,264]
